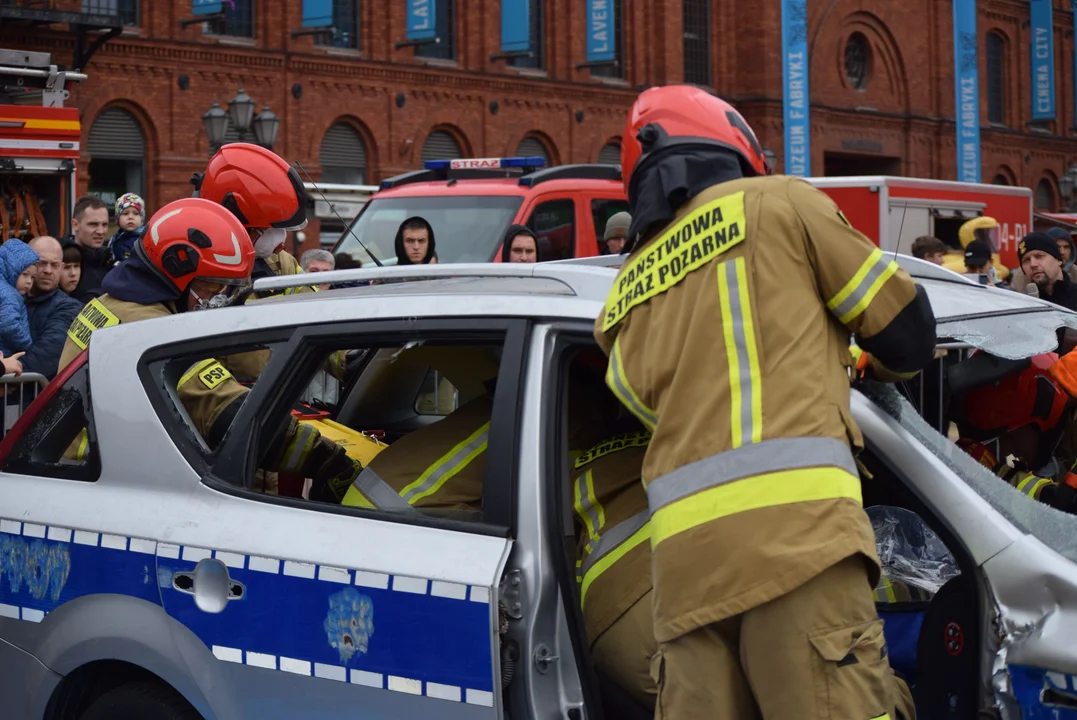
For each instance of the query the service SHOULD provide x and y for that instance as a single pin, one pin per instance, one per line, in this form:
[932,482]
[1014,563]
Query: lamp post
[240,115]
[1066,185]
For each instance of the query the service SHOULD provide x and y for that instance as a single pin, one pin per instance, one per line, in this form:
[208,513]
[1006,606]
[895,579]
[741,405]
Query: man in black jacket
[1041,262]
[50,310]
[89,229]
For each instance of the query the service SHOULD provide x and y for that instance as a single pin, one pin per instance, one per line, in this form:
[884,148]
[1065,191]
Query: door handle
[210,585]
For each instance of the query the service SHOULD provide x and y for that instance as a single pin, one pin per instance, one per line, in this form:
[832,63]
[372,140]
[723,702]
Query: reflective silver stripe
[846,306]
[379,493]
[449,463]
[587,512]
[625,393]
[612,538]
[740,343]
[300,444]
[760,458]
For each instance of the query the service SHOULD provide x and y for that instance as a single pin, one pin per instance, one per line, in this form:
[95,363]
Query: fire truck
[39,146]
[894,211]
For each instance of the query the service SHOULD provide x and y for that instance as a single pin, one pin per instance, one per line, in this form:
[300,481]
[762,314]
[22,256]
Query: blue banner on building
[966,91]
[796,105]
[601,38]
[422,19]
[1042,54]
[317,13]
[515,26]
[206,7]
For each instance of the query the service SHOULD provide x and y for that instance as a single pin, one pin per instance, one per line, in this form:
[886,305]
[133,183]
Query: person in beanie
[1019,282]
[616,232]
[978,262]
[414,242]
[131,217]
[1041,262]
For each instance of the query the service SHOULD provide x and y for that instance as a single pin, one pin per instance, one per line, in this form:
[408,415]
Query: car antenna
[331,207]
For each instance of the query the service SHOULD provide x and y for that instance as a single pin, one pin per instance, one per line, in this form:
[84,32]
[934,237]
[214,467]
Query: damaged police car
[156,576]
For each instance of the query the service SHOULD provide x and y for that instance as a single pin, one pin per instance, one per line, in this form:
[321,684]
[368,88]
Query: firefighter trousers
[817,653]
[624,652]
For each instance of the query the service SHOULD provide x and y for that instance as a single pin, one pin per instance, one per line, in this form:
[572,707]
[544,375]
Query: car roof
[497,186]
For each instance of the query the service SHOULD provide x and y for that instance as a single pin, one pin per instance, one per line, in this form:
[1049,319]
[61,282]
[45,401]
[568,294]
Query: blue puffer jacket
[15,257]
[50,316]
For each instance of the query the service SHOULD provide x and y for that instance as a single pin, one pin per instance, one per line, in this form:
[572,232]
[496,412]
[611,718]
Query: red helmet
[258,187]
[674,114]
[194,238]
[1018,399]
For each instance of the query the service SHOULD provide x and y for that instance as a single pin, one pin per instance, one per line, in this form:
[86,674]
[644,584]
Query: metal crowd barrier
[17,394]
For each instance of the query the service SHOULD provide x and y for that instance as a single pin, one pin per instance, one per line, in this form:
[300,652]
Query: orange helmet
[195,238]
[688,115]
[1018,399]
[258,187]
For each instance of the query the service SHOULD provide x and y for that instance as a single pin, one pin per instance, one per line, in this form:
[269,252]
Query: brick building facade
[881,85]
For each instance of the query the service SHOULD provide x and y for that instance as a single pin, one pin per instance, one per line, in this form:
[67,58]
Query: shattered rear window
[1054,528]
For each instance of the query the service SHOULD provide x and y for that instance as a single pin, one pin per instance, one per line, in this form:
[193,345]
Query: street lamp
[215,120]
[1066,185]
[266,125]
[240,111]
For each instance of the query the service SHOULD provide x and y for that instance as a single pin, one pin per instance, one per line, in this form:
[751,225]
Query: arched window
[343,156]
[610,154]
[117,151]
[532,147]
[1044,196]
[996,77]
[697,42]
[1000,179]
[440,145]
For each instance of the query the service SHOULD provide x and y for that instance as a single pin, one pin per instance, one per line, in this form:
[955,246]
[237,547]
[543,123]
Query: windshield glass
[1056,529]
[466,228]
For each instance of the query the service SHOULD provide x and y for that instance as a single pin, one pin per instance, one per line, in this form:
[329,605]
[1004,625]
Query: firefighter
[728,333]
[194,256]
[614,558]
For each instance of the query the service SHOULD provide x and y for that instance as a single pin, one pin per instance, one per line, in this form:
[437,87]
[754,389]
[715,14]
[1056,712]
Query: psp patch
[693,242]
[213,375]
[93,317]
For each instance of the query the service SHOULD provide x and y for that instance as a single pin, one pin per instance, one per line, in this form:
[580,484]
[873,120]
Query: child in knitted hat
[131,217]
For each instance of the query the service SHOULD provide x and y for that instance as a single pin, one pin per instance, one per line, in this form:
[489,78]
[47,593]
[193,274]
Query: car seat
[948,654]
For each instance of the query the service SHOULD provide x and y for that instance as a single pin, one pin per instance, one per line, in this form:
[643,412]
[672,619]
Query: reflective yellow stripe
[888,589]
[767,490]
[84,443]
[618,383]
[1032,484]
[354,498]
[587,506]
[745,391]
[295,455]
[607,560]
[885,716]
[193,372]
[448,466]
[854,298]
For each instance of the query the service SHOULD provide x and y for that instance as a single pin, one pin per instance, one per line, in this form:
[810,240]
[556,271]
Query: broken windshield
[1054,528]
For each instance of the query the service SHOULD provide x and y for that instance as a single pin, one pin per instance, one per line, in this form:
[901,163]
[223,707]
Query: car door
[307,608]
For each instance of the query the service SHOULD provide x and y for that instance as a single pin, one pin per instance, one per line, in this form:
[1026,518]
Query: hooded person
[414,243]
[17,261]
[520,245]
[728,332]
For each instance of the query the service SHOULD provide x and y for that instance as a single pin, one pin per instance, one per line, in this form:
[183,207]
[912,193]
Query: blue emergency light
[485,163]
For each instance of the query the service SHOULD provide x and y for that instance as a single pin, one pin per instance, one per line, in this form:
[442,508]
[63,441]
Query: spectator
[344,261]
[1019,282]
[131,219]
[978,262]
[12,366]
[72,268]
[414,242]
[927,247]
[616,232]
[1041,262]
[316,261]
[519,245]
[50,311]
[17,272]
[89,224]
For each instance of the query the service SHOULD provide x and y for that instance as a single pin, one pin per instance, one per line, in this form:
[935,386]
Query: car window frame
[293,360]
[600,232]
[559,197]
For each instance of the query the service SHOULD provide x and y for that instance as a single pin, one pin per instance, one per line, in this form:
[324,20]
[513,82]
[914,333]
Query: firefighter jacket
[1027,483]
[614,552]
[440,466]
[212,398]
[728,334]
